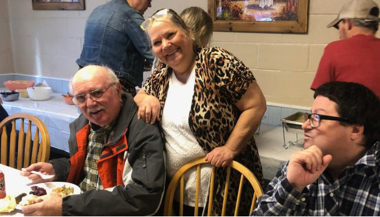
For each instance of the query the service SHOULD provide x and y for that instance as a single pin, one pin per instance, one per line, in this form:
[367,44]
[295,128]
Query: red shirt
[356,59]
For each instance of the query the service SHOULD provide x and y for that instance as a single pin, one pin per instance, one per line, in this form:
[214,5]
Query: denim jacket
[113,38]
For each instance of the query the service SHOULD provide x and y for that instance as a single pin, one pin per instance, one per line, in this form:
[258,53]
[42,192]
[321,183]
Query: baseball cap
[360,9]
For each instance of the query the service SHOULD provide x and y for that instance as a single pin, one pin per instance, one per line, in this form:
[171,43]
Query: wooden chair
[179,178]
[28,151]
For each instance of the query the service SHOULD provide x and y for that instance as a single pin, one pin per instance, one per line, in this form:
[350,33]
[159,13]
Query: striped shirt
[356,192]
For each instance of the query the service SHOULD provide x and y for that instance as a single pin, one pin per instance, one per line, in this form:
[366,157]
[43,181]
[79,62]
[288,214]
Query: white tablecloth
[15,184]
[270,143]
[55,113]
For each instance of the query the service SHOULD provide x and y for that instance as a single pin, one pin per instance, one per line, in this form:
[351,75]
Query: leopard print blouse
[221,80]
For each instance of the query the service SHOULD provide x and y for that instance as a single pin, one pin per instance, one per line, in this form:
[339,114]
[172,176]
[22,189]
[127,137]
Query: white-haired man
[116,159]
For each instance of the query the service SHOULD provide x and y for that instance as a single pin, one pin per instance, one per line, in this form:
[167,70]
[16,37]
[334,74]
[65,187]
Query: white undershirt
[181,144]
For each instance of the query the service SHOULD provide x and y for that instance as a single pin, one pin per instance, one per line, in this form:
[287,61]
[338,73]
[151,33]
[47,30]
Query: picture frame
[58,4]
[279,16]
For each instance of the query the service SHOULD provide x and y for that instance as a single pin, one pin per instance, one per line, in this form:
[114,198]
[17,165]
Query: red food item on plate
[38,191]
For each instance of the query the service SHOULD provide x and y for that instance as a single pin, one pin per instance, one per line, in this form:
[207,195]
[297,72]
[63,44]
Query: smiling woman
[209,104]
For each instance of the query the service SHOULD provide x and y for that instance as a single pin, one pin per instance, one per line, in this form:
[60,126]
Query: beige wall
[6,60]
[47,43]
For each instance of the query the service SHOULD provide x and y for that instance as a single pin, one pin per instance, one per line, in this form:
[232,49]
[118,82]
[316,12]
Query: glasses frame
[89,95]
[158,15]
[308,116]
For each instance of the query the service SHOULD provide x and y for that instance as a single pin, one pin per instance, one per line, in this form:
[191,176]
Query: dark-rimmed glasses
[93,94]
[315,119]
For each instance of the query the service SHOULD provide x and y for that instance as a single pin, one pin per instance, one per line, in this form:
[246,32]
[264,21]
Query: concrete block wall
[6,59]
[47,43]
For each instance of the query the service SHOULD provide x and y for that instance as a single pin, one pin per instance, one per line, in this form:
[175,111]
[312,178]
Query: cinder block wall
[47,43]
[6,59]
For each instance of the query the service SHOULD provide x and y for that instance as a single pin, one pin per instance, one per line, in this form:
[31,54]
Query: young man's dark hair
[364,110]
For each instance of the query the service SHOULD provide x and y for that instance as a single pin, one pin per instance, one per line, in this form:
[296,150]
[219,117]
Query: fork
[43,176]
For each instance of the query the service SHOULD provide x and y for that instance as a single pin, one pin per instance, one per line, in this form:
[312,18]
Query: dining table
[15,184]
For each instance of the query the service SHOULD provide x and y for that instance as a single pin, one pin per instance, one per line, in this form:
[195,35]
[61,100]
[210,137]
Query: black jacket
[143,176]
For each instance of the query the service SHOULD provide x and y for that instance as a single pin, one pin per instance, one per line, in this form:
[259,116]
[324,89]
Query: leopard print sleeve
[152,84]
[230,74]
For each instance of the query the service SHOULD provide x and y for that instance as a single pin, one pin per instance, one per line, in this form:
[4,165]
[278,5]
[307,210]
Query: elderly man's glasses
[93,94]
[315,119]
[158,15]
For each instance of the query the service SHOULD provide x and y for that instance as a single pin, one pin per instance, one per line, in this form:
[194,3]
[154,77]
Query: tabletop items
[28,89]
[293,124]
[18,84]
[9,96]
[23,93]
[68,98]
[2,185]
[39,93]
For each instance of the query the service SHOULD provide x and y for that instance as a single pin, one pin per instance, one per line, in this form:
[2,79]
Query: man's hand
[306,166]
[48,205]
[44,168]
[221,156]
[149,109]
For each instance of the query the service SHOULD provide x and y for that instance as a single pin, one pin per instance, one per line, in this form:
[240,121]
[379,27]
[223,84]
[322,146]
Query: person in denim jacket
[113,38]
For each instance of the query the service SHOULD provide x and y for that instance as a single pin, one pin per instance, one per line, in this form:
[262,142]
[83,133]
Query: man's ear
[119,90]
[348,23]
[357,132]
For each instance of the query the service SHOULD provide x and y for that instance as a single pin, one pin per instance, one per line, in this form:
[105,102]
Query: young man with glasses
[337,173]
[115,158]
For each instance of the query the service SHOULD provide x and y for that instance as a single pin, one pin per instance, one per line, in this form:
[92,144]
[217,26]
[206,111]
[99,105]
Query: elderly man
[355,58]
[338,171]
[113,38]
[116,159]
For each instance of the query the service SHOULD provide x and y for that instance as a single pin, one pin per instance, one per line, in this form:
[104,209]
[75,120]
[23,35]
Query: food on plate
[64,191]
[38,191]
[28,200]
[32,196]
[7,204]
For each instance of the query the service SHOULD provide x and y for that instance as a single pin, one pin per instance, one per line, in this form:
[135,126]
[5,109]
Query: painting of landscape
[256,10]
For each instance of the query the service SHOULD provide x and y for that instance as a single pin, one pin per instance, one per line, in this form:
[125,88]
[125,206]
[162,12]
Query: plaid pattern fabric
[97,138]
[355,193]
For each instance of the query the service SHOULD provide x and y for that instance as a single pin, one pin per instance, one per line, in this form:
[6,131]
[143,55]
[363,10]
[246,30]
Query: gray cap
[360,9]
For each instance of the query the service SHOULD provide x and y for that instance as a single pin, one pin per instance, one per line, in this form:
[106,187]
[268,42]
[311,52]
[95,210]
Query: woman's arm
[253,106]
[149,107]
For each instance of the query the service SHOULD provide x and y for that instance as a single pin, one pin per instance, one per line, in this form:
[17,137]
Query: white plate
[49,186]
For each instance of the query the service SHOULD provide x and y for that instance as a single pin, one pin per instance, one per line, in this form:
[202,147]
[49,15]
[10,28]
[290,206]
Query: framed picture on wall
[283,16]
[58,4]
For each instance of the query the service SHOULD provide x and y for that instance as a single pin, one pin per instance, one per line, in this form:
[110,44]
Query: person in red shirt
[356,57]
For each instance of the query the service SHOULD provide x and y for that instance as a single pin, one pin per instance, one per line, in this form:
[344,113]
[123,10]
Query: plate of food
[31,192]
[62,188]
[37,190]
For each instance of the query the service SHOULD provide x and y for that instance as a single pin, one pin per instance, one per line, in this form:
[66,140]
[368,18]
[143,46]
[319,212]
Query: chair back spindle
[18,149]
[178,179]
